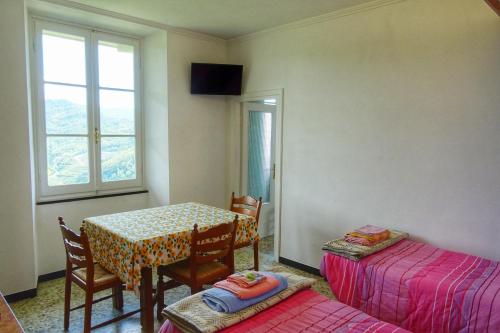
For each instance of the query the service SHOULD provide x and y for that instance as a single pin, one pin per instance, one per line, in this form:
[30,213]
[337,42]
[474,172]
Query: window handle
[97,135]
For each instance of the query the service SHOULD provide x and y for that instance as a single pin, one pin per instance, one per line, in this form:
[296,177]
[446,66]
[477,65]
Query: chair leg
[87,319]
[118,297]
[160,297]
[67,300]
[256,255]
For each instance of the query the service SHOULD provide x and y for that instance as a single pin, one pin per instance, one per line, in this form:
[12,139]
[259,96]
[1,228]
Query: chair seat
[204,271]
[101,276]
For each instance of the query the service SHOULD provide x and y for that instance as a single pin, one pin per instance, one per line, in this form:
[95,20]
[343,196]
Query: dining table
[131,244]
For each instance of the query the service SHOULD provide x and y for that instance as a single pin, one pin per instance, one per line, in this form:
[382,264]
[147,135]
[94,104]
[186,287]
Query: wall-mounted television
[216,79]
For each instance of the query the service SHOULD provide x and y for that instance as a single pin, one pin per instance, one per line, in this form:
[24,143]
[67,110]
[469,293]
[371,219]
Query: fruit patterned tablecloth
[123,243]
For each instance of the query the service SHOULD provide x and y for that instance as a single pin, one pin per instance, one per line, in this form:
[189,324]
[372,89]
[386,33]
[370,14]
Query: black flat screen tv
[216,79]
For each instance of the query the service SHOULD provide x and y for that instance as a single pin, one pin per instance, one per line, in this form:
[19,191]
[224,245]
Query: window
[87,111]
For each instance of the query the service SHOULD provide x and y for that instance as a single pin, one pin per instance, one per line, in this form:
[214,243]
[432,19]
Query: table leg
[141,299]
[147,318]
[256,255]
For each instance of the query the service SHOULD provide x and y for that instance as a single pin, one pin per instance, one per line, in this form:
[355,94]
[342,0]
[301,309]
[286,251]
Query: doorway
[260,163]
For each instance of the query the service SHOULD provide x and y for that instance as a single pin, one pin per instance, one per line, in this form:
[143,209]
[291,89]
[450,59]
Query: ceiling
[223,18]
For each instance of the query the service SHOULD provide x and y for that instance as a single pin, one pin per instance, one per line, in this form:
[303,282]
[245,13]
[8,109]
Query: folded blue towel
[225,301]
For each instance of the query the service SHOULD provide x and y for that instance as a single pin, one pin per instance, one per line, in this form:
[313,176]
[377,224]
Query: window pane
[67,161]
[63,58]
[116,65]
[118,158]
[65,109]
[259,154]
[117,112]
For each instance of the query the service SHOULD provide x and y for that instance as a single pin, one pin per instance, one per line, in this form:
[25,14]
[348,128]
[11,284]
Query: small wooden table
[8,321]
[131,244]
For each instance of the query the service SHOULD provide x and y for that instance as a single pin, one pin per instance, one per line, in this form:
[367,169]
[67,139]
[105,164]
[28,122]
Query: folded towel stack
[356,252]
[368,235]
[264,285]
[192,315]
[230,297]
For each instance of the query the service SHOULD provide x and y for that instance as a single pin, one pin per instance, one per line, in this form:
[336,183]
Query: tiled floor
[44,313]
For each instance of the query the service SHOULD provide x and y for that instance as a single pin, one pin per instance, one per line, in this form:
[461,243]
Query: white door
[258,158]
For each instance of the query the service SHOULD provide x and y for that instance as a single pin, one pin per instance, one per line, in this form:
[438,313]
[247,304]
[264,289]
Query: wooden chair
[91,277]
[248,206]
[211,259]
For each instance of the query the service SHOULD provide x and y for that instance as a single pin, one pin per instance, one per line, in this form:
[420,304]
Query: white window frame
[95,186]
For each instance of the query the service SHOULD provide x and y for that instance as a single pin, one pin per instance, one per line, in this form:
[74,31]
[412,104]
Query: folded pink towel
[263,287]
[358,240]
[368,235]
[370,230]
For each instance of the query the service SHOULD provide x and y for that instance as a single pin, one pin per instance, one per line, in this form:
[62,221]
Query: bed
[306,311]
[420,287]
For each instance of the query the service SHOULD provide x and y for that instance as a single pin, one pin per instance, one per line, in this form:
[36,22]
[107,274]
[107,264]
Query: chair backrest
[77,246]
[216,243]
[246,205]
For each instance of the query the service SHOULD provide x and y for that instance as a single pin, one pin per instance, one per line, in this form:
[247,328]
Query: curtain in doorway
[259,154]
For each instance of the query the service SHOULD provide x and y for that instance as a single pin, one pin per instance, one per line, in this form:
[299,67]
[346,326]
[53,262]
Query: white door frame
[278,95]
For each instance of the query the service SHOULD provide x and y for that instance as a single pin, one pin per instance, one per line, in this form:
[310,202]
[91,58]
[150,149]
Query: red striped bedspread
[307,311]
[420,288]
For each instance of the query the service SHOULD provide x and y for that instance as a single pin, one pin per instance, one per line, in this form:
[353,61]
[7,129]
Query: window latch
[97,136]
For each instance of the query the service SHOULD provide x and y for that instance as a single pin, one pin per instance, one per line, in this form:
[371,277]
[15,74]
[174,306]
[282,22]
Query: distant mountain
[67,157]
[65,117]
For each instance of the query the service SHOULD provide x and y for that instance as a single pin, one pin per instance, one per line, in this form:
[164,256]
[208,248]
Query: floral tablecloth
[123,243]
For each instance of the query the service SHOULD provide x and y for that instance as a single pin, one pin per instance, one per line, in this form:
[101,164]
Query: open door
[258,159]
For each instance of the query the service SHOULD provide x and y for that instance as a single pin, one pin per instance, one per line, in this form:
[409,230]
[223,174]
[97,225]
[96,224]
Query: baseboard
[30,293]
[33,292]
[300,266]
[51,276]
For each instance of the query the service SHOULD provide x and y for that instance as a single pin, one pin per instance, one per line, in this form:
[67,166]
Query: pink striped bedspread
[307,311]
[420,288]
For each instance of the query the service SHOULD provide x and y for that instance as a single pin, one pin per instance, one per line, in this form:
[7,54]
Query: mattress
[420,287]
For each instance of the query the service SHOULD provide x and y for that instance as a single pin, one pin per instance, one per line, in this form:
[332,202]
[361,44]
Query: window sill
[99,196]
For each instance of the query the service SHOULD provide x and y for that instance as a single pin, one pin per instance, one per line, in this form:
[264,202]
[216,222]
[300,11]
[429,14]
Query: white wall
[17,253]
[155,104]
[391,117]
[196,125]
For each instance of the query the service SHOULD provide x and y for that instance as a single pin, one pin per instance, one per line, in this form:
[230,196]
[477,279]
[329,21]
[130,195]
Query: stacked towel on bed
[368,235]
[356,252]
[192,315]
[223,300]
[249,289]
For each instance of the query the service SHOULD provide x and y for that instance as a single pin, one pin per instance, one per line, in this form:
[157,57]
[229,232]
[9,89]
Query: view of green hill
[67,157]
